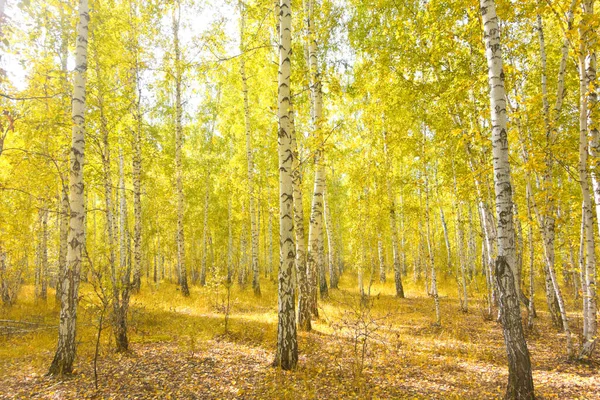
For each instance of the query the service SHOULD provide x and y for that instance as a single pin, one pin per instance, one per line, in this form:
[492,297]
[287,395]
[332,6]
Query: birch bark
[304,291]
[520,381]
[315,230]
[287,345]
[65,352]
[333,273]
[588,126]
[393,221]
[252,200]
[429,238]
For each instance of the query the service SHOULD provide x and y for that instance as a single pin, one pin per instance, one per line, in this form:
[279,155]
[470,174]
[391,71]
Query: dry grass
[179,350]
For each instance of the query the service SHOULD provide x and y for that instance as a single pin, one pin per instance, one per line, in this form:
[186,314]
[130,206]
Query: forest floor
[179,349]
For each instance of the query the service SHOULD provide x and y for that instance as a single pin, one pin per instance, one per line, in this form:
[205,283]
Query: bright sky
[194,22]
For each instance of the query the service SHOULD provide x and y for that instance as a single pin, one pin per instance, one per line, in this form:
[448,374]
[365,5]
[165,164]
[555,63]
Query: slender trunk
[315,230]
[156,264]
[340,247]
[63,236]
[381,258]
[243,258]
[520,381]
[487,244]
[211,254]
[460,250]
[549,256]
[108,195]
[471,246]
[321,262]
[229,242]
[446,240]
[393,222]
[252,200]
[547,221]
[333,273]
[302,274]
[160,259]
[588,127]
[573,271]
[202,278]
[64,189]
[402,236]
[121,278]
[561,305]
[43,254]
[65,351]
[178,156]
[361,268]
[531,308]
[589,271]
[137,164]
[287,344]
[270,249]
[263,226]
[110,222]
[582,248]
[137,205]
[430,239]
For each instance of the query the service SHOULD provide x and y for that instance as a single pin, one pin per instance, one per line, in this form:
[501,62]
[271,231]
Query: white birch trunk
[531,307]
[547,221]
[446,240]
[430,239]
[229,242]
[381,258]
[487,243]
[333,273]
[252,200]
[65,351]
[121,280]
[460,249]
[287,345]
[63,236]
[43,254]
[315,231]
[243,257]
[137,189]
[587,124]
[108,199]
[302,274]
[270,246]
[202,278]
[393,221]
[520,381]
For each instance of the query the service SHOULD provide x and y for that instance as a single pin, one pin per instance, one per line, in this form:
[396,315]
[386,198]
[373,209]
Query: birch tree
[547,221]
[251,196]
[587,125]
[393,220]
[42,255]
[333,273]
[429,232]
[64,357]
[520,381]
[287,345]
[121,278]
[137,155]
[315,230]
[302,274]
[178,156]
